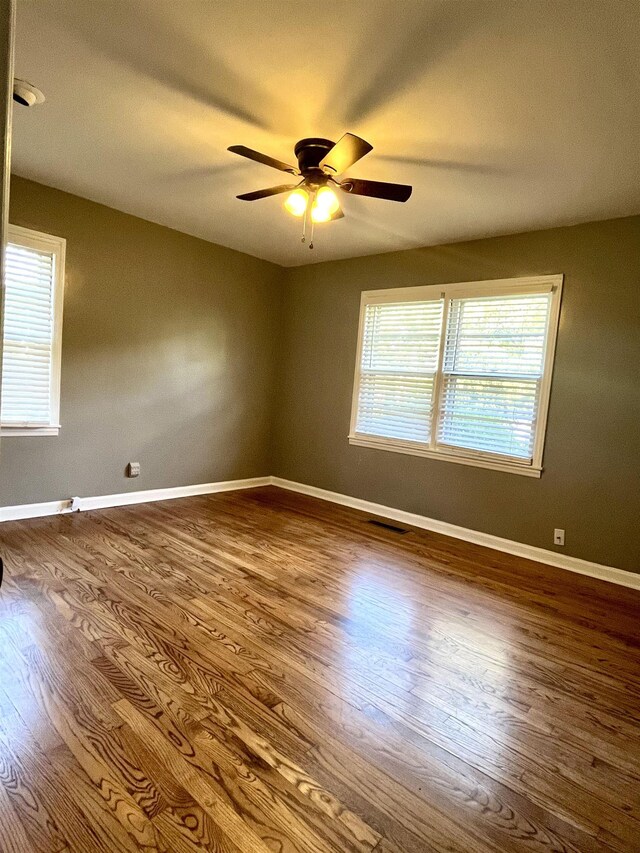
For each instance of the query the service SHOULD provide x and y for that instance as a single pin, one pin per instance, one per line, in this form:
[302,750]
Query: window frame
[39,241]
[446,292]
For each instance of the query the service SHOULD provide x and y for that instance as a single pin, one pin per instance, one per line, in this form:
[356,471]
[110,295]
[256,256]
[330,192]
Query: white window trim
[480,459]
[57,246]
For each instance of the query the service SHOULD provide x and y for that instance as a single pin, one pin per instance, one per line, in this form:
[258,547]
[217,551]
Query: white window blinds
[398,365]
[459,372]
[30,368]
[493,366]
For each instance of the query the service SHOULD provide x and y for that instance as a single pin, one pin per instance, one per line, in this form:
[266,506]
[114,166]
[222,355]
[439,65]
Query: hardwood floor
[259,671]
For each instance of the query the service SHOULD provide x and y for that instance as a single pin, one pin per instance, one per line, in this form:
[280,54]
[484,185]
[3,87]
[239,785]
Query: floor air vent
[392,527]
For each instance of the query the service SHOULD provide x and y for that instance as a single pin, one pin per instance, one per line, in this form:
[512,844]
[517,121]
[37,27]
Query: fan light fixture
[325,204]
[320,214]
[296,202]
[320,161]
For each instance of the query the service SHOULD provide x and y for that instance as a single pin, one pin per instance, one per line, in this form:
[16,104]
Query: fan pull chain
[305,220]
[309,212]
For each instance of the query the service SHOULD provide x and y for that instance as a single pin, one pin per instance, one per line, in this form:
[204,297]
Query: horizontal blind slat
[28,336]
[494,354]
[400,343]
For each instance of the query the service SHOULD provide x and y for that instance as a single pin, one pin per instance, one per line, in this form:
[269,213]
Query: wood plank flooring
[260,671]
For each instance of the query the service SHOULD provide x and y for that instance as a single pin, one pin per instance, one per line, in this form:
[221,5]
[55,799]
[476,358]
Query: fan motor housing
[310,152]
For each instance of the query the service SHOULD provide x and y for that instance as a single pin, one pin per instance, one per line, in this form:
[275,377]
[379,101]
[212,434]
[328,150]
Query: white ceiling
[505,116]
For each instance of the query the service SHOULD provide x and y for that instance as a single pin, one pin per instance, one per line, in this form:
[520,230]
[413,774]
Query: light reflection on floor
[381,620]
[446,681]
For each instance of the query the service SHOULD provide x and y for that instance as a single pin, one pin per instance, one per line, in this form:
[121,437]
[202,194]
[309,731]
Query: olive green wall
[205,364]
[167,357]
[591,482]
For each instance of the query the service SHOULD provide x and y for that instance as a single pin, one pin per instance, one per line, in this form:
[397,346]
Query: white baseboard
[530,552]
[13,513]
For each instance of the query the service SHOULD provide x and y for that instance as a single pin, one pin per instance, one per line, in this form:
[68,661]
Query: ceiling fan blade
[283,188]
[377,189]
[243,151]
[347,151]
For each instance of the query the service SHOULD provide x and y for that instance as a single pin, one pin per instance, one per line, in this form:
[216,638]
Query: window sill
[444,456]
[9,431]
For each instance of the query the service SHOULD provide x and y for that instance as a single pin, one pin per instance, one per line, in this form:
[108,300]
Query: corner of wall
[279,366]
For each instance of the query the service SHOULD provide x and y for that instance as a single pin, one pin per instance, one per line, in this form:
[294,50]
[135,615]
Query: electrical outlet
[558,536]
[133,469]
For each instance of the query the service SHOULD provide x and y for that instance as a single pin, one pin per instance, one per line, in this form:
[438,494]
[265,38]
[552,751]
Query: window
[460,372]
[34,279]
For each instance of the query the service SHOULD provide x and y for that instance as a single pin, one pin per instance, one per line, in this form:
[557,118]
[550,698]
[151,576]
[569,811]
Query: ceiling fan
[319,162]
